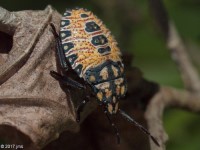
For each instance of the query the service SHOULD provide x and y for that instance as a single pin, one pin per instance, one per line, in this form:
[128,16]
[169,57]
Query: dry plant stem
[176,46]
[179,55]
[8,21]
[168,97]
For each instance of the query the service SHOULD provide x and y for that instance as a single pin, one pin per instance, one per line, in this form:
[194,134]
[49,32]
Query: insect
[86,46]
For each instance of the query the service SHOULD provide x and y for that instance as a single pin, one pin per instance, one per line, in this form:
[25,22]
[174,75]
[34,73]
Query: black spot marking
[103,50]
[99,40]
[72,58]
[84,16]
[67,46]
[91,27]
[78,69]
[96,72]
[64,23]
[65,34]
[91,72]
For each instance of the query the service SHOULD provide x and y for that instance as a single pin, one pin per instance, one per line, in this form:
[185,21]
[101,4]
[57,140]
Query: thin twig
[179,55]
[168,97]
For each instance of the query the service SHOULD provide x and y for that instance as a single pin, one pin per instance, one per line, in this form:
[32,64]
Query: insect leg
[66,80]
[114,127]
[130,119]
[81,107]
[60,51]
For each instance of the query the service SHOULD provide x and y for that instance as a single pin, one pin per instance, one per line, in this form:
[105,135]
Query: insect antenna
[130,119]
[114,127]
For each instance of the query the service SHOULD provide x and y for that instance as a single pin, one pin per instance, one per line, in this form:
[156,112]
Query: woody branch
[187,99]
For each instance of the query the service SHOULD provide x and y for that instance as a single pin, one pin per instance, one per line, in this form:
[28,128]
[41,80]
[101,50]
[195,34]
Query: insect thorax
[108,81]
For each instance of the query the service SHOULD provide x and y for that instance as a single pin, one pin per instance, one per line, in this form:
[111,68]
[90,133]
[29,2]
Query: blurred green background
[135,30]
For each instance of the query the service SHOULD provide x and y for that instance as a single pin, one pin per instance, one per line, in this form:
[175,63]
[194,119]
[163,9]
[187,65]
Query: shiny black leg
[64,65]
[130,119]
[60,51]
[66,80]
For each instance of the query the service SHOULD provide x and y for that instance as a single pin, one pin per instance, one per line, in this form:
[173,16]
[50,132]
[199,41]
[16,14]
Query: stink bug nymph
[86,46]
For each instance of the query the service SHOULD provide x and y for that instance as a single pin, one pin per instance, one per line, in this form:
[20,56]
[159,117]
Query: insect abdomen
[87,43]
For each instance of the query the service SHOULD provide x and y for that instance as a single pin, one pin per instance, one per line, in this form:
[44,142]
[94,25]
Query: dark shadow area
[6,43]
[5,46]
[96,134]
[11,138]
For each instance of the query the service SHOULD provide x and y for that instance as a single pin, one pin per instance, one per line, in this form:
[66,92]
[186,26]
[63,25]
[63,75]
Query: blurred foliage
[135,30]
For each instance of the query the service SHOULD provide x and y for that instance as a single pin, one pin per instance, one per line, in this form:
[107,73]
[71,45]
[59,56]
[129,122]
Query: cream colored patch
[63,34]
[95,27]
[102,40]
[114,99]
[108,93]
[119,81]
[122,69]
[104,73]
[116,107]
[122,90]
[100,96]
[118,90]
[92,78]
[110,108]
[70,60]
[62,23]
[104,85]
[115,71]
[65,47]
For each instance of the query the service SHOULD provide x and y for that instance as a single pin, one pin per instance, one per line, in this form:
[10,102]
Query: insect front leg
[60,51]
[66,80]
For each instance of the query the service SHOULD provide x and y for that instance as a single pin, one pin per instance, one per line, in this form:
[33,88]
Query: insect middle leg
[63,62]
